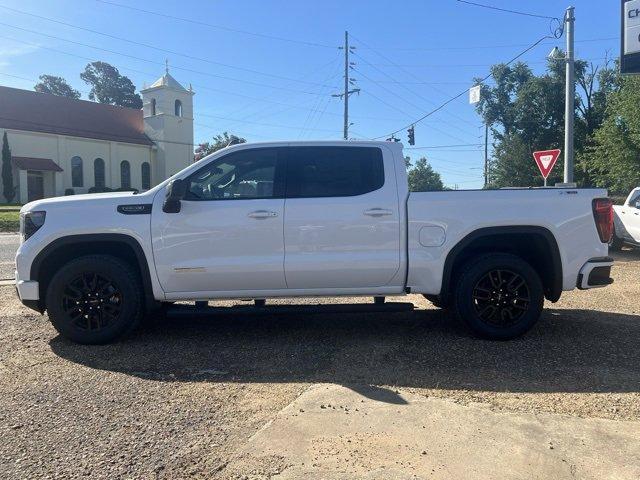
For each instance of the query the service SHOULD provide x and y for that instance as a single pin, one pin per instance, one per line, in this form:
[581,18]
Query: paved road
[8,245]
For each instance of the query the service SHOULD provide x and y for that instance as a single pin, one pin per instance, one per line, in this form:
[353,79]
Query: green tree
[423,178]
[8,189]
[109,86]
[613,157]
[56,86]
[526,113]
[219,142]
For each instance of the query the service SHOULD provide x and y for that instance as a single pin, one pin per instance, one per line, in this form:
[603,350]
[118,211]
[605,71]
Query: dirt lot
[180,398]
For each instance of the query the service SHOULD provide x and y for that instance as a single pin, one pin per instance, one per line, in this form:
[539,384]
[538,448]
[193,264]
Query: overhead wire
[142,59]
[218,27]
[505,10]
[464,92]
[154,47]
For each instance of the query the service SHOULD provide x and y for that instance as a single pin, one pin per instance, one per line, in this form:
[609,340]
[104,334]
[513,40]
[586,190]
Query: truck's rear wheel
[499,296]
[94,299]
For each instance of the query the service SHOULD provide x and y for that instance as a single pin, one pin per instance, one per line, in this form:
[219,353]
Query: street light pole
[570,95]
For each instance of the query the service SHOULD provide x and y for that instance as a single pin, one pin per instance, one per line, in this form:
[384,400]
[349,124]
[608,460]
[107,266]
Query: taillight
[603,215]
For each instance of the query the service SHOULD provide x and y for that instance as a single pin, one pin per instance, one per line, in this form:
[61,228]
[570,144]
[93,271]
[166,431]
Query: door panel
[228,235]
[216,246]
[340,241]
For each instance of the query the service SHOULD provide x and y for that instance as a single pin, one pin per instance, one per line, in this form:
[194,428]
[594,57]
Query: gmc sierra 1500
[308,219]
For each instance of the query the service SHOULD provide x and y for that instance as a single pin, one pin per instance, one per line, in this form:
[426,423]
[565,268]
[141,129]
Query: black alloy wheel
[501,297]
[94,299]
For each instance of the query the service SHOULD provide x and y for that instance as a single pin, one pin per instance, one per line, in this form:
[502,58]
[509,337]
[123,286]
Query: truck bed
[438,221]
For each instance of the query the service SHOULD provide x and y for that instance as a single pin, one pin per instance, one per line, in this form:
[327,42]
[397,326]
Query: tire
[490,296]
[436,301]
[616,243]
[94,299]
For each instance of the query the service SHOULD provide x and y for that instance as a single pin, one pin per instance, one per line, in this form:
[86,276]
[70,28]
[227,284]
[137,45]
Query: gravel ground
[8,245]
[179,398]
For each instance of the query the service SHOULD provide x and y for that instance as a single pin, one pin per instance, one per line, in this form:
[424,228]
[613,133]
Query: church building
[62,146]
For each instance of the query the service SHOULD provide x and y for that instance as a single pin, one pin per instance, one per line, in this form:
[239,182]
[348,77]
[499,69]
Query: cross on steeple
[166,65]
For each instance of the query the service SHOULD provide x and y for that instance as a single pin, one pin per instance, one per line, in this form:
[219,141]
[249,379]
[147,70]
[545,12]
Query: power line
[294,127]
[411,103]
[190,70]
[446,146]
[474,65]
[218,27]
[464,92]
[153,47]
[516,12]
[480,47]
[198,86]
[416,77]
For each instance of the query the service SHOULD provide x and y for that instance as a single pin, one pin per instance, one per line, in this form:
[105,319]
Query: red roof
[42,112]
[32,163]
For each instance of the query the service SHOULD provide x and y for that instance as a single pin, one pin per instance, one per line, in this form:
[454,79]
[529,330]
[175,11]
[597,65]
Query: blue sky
[252,80]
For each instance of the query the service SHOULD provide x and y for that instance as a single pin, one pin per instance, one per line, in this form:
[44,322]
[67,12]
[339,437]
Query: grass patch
[9,220]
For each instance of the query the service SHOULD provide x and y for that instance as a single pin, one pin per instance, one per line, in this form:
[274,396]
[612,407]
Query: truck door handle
[378,212]
[260,214]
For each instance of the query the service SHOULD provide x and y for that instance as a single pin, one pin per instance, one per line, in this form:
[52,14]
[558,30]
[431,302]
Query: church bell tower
[168,121]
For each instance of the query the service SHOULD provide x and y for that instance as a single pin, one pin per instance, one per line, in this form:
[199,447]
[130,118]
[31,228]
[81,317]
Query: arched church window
[178,108]
[98,173]
[76,172]
[125,174]
[146,175]
[153,106]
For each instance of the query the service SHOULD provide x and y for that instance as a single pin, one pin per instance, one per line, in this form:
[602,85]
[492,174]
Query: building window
[125,174]
[146,176]
[153,106]
[98,173]
[178,108]
[76,172]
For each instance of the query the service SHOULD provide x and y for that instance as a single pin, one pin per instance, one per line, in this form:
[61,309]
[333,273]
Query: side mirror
[176,191]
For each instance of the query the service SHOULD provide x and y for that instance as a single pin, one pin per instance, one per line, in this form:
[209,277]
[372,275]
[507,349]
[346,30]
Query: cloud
[12,49]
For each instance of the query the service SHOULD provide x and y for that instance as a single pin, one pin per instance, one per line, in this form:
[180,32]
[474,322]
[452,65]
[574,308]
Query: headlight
[30,223]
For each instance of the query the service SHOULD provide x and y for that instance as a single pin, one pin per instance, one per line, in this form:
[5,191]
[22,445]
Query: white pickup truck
[255,221]
[627,222]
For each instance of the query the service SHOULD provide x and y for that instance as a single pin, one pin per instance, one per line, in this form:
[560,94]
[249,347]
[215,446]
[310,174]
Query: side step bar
[301,309]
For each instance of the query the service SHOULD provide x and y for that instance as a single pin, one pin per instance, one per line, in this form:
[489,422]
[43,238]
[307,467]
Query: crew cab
[258,221]
[627,222]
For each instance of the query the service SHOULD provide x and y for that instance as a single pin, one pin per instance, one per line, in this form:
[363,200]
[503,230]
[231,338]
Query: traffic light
[412,135]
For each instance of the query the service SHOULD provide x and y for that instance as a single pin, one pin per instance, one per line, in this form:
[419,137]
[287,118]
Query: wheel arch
[534,244]
[63,249]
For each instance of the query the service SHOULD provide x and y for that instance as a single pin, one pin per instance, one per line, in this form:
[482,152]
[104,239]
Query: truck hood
[88,200]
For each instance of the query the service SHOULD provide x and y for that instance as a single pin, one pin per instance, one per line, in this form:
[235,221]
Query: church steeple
[168,118]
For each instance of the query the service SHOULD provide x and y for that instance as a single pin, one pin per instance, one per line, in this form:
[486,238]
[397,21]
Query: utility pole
[347,82]
[570,93]
[486,154]
[346,85]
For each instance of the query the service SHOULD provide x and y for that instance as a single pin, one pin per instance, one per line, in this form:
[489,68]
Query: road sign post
[546,160]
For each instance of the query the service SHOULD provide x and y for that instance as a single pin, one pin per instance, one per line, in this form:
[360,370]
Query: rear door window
[333,171]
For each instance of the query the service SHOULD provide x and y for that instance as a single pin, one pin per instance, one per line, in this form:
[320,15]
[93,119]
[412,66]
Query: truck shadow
[568,351]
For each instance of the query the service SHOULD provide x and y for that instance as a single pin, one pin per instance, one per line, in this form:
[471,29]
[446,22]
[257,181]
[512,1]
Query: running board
[300,309]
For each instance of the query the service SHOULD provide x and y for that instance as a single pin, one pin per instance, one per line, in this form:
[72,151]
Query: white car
[289,219]
[627,222]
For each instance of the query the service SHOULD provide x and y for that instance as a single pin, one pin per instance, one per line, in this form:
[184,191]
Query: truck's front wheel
[499,296]
[94,299]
